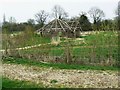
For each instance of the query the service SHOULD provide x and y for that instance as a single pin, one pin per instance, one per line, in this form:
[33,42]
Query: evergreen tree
[84,23]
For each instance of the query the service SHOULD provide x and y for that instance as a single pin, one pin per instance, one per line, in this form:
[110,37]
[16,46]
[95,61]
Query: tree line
[58,12]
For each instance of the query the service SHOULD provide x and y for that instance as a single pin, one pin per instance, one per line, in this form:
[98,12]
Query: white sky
[23,10]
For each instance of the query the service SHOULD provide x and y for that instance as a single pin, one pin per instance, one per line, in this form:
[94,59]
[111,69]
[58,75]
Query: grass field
[99,38]
[97,47]
[8,83]
[102,46]
[20,41]
[56,66]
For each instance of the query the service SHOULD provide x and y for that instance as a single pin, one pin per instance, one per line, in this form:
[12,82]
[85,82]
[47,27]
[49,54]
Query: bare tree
[119,8]
[117,12]
[41,17]
[59,12]
[96,14]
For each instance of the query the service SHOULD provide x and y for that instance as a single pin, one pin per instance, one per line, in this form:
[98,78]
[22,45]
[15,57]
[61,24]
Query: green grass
[37,39]
[99,51]
[27,41]
[99,41]
[76,51]
[102,38]
[56,65]
[53,81]
[8,83]
[20,84]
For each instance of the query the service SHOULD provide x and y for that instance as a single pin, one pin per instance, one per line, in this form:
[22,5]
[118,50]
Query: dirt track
[62,78]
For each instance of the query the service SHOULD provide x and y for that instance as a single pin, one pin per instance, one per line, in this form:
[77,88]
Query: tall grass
[100,48]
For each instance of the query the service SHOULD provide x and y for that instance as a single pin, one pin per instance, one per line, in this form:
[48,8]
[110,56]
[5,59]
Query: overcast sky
[23,10]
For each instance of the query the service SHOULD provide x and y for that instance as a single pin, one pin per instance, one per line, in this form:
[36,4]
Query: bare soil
[61,77]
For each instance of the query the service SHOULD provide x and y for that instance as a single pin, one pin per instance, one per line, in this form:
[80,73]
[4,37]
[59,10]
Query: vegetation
[95,48]
[25,39]
[98,48]
[29,62]
[41,18]
[8,83]
[85,23]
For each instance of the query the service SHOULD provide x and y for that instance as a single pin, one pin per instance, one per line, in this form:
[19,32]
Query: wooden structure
[58,27]
[75,26]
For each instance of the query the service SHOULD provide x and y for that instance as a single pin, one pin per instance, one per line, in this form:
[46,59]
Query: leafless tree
[118,9]
[59,12]
[41,17]
[96,13]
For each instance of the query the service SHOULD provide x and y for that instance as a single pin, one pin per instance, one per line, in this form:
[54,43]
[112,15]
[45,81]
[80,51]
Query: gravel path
[66,78]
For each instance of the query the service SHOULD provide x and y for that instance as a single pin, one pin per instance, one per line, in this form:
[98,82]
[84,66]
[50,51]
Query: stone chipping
[63,77]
